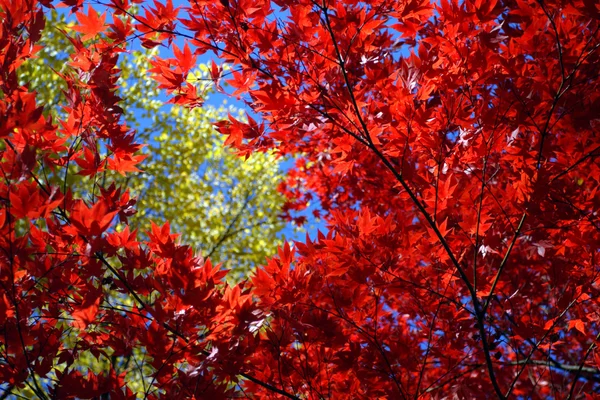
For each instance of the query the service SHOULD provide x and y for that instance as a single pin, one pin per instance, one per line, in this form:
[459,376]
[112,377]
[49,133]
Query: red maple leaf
[91,24]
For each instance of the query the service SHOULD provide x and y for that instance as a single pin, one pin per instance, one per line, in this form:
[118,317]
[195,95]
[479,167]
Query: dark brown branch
[430,221]
[581,366]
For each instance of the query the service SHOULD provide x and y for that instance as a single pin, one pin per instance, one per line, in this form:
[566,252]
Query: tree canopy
[453,150]
[224,206]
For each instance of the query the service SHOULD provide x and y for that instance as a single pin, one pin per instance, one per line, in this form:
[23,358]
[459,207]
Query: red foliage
[453,146]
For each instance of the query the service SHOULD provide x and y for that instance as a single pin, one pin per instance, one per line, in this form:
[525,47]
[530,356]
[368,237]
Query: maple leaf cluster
[452,145]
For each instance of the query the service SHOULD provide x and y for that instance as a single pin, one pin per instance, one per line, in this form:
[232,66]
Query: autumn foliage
[452,146]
